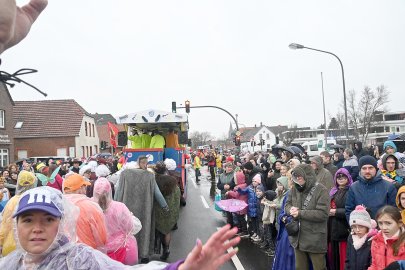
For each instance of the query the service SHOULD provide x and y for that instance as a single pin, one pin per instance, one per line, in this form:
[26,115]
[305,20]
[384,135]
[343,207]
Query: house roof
[4,86]
[103,119]
[48,118]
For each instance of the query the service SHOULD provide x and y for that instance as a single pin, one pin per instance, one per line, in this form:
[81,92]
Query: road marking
[194,183]
[204,202]
[235,258]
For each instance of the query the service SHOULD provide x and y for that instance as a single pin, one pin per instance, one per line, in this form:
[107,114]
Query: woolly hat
[257,178]
[270,195]
[248,166]
[391,144]
[260,187]
[299,171]
[170,164]
[360,216]
[367,160]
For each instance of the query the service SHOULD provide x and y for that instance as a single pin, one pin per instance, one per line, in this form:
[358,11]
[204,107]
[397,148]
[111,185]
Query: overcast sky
[123,56]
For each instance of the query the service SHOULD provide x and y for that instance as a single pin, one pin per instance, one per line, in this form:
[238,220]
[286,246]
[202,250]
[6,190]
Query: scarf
[358,242]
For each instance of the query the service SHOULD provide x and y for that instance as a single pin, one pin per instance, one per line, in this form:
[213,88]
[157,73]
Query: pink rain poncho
[121,224]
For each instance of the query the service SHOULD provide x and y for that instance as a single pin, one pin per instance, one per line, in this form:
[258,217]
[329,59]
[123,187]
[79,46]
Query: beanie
[248,166]
[257,178]
[260,187]
[367,160]
[270,195]
[391,144]
[299,171]
[360,216]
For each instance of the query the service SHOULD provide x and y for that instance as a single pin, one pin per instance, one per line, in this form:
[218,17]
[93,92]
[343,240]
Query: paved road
[198,221]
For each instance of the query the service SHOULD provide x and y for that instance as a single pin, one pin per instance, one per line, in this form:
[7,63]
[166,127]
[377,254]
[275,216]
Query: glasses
[341,176]
[357,227]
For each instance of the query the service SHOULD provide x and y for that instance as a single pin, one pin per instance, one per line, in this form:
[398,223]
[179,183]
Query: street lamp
[295,46]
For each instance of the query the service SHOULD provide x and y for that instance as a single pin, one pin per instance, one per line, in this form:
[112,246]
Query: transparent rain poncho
[63,253]
[121,224]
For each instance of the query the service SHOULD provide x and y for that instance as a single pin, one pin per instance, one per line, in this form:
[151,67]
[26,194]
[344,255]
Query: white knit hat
[360,216]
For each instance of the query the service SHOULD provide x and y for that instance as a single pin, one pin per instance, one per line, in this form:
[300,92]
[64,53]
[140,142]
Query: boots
[166,253]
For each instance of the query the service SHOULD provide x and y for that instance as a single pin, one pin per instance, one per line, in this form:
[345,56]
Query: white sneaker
[253,236]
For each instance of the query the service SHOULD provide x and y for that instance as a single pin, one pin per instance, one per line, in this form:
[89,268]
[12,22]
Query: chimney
[261,124]
[255,125]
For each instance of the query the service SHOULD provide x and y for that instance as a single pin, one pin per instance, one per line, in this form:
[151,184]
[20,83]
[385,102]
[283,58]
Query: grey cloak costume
[136,189]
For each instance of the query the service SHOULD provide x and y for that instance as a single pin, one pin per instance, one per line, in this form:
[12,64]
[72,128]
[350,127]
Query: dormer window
[18,124]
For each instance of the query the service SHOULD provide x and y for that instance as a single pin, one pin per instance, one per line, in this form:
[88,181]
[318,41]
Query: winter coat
[352,165]
[7,240]
[284,257]
[331,168]
[383,254]
[324,177]
[359,152]
[358,259]
[252,200]
[250,176]
[312,236]
[240,183]
[225,179]
[339,162]
[339,227]
[373,194]
[270,183]
[400,191]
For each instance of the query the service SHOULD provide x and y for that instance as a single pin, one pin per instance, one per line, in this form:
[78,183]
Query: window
[267,136]
[61,152]
[94,134]
[91,151]
[85,128]
[87,151]
[72,152]
[3,157]
[2,119]
[18,124]
[89,129]
[22,154]
[313,147]
[83,153]
[96,149]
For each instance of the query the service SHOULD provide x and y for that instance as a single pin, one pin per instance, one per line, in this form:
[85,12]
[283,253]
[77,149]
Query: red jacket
[57,184]
[382,254]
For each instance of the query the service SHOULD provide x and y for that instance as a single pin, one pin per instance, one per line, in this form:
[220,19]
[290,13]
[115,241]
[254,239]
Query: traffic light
[174,106]
[237,140]
[187,103]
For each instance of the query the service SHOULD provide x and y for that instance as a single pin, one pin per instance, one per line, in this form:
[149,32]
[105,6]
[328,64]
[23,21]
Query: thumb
[34,8]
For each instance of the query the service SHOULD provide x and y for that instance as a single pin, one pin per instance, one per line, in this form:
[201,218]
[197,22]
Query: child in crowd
[268,218]
[260,208]
[389,244]
[240,216]
[252,204]
[358,253]
[401,202]
[284,168]
[4,193]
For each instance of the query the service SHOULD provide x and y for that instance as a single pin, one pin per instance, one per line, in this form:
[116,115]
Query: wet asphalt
[197,221]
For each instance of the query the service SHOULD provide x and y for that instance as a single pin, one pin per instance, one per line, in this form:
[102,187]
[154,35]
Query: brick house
[6,126]
[103,131]
[53,128]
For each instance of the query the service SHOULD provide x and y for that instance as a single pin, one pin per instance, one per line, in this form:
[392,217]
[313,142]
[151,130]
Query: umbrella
[295,149]
[276,147]
[299,146]
[231,205]
[337,146]
[394,136]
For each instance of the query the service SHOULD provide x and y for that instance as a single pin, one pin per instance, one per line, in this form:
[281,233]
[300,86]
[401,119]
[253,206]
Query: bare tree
[288,136]
[362,114]
[200,138]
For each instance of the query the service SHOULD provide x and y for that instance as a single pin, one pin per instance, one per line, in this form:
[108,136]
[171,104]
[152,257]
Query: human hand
[226,187]
[294,212]
[332,212]
[212,255]
[270,174]
[16,22]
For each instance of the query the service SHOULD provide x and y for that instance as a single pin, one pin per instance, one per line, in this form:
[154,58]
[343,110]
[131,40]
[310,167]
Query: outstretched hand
[213,254]
[16,22]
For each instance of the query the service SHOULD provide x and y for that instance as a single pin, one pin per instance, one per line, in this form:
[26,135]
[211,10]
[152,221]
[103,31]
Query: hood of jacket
[400,191]
[359,146]
[308,174]
[384,161]
[390,143]
[283,180]
[336,185]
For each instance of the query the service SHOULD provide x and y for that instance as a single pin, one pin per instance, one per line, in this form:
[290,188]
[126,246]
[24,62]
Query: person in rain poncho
[26,180]
[44,224]
[122,225]
[91,228]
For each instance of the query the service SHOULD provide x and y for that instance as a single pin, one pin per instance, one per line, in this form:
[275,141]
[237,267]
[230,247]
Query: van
[314,148]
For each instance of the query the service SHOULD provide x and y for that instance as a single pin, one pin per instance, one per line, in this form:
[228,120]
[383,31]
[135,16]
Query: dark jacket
[249,177]
[312,236]
[373,194]
[339,228]
[270,183]
[331,168]
[352,165]
[358,259]
[359,152]
[339,162]
[226,179]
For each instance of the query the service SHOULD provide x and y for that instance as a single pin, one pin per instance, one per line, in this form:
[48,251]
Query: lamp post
[295,46]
